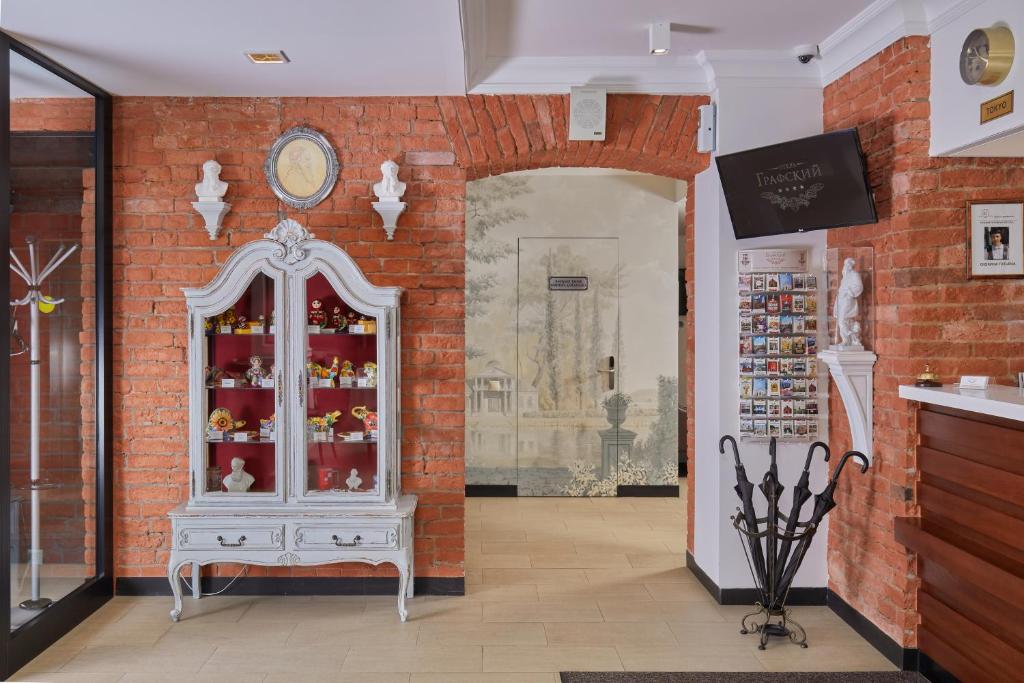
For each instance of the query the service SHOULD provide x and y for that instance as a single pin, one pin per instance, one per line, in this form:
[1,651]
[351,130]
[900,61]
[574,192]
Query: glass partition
[55,481]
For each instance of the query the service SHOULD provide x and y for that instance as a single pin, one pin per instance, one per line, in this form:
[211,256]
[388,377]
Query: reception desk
[969,538]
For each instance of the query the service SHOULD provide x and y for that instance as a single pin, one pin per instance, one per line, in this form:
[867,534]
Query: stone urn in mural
[615,406]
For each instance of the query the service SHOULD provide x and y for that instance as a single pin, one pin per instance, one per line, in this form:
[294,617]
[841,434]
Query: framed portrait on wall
[995,239]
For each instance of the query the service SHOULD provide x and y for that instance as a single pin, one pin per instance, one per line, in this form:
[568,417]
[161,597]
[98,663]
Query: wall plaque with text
[997,107]
[563,283]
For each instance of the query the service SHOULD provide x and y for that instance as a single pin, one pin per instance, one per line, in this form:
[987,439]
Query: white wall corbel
[853,372]
[389,191]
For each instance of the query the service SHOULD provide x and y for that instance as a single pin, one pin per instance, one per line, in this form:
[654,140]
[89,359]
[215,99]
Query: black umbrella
[745,490]
[772,490]
[801,494]
[823,504]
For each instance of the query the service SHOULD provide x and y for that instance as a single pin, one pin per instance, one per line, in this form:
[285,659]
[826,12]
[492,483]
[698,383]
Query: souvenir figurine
[322,425]
[368,418]
[267,426]
[351,318]
[327,478]
[214,478]
[242,323]
[228,318]
[369,325]
[239,481]
[213,375]
[261,324]
[208,325]
[337,319]
[353,482]
[370,372]
[333,371]
[221,421]
[348,369]
[256,372]
[314,370]
[317,317]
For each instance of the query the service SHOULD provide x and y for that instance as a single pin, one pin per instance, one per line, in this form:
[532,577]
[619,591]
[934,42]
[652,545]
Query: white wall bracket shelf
[853,372]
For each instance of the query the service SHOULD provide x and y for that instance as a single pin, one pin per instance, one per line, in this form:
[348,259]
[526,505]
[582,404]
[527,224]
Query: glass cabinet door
[340,406]
[242,390]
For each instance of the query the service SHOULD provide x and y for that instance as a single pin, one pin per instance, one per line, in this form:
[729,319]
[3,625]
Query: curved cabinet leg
[197,591]
[411,580]
[174,576]
[404,571]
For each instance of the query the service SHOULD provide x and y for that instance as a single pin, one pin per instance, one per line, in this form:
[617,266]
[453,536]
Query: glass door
[243,391]
[341,396]
[55,486]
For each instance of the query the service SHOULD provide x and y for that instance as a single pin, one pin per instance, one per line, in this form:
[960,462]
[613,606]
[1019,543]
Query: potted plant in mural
[615,406]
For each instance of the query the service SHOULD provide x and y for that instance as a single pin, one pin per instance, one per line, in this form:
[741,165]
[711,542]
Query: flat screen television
[807,184]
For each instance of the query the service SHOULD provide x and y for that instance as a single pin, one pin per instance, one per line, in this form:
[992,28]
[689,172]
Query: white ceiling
[437,47]
[194,47]
[618,28]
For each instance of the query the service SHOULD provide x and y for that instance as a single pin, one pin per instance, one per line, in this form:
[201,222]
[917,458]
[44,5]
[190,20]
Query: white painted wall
[747,117]
[956,127]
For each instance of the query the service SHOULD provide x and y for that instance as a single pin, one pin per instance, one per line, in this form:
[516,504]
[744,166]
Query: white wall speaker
[706,132]
[587,109]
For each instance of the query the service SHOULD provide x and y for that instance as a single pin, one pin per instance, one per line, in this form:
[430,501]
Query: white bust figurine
[846,308]
[212,189]
[353,482]
[239,480]
[389,189]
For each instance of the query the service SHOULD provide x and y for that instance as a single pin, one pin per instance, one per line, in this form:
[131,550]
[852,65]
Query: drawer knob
[341,544]
[224,544]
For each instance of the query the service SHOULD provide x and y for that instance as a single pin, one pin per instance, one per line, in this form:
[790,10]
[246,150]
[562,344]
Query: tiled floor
[552,584]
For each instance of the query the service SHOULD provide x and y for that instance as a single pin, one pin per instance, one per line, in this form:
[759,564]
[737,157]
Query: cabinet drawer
[330,537]
[246,537]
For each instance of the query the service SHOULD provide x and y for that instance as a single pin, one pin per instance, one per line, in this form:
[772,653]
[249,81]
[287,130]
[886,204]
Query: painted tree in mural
[551,341]
[489,205]
[578,374]
[658,449]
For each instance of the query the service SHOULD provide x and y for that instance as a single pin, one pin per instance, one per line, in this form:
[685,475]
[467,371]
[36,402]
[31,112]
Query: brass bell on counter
[927,378]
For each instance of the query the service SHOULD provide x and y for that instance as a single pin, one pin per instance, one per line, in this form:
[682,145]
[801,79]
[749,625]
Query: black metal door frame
[33,637]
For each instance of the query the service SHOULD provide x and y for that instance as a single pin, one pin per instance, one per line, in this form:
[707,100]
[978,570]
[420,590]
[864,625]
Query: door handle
[610,371]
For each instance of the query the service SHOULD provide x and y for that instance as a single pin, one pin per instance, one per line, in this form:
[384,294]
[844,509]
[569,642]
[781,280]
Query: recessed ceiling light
[660,38]
[278,57]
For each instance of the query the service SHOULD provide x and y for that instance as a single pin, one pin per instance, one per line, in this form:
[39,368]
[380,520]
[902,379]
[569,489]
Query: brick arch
[493,134]
[656,134]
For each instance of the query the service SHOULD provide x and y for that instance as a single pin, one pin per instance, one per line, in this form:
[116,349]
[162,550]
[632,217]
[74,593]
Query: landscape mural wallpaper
[539,411]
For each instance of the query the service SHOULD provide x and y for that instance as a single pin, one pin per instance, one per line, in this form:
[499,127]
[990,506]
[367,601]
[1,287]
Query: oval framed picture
[302,167]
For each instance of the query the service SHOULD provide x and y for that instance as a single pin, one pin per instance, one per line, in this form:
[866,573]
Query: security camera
[805,53]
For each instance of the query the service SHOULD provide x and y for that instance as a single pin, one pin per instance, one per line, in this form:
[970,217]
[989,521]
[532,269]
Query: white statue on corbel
[389,191]
[850,365]
[210,194]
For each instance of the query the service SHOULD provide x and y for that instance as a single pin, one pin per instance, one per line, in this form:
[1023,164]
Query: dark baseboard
[668,491]
[930,669]
[906,658]
[798,597]
[286,585]
[491,490]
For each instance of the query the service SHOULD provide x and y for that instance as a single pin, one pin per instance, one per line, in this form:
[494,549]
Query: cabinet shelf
[251,442]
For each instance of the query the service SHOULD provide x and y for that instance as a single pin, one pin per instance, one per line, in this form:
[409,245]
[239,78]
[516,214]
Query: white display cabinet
[293,415]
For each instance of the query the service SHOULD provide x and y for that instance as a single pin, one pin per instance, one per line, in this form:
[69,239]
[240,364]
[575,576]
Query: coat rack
[34,278]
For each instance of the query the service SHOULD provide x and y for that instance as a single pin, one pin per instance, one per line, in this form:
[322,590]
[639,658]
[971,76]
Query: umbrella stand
[772,565]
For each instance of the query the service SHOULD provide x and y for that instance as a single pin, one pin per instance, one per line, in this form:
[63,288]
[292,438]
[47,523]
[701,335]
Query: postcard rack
[778,345]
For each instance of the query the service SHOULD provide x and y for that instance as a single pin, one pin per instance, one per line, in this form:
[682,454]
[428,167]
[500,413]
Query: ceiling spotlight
[661,38]
[278,57]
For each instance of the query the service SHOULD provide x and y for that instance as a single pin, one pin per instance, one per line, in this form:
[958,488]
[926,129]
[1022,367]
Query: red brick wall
[925,310]
[160,247]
